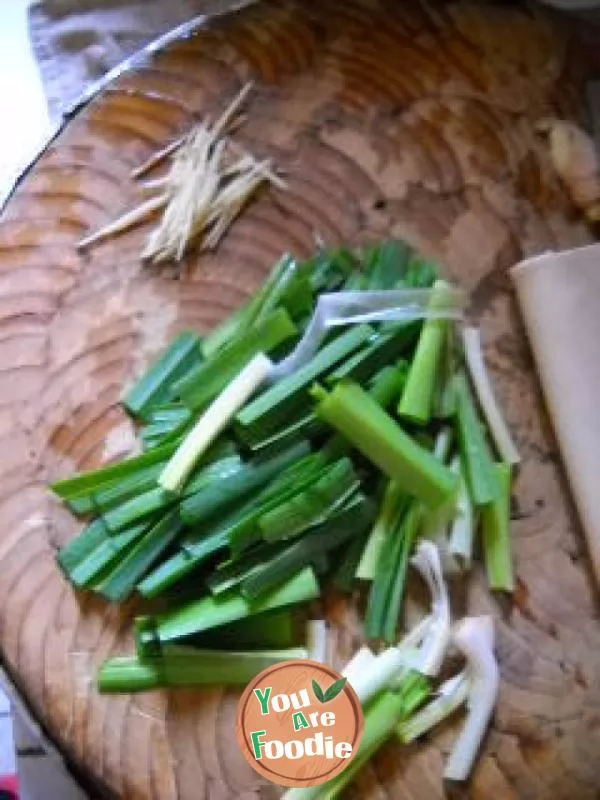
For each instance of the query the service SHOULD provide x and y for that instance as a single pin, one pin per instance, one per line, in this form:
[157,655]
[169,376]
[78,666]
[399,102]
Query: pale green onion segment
[452,694]
[474,637]
[316,640]
[214,420]
[485,394]
[433,650]
[345,308]
[462,528]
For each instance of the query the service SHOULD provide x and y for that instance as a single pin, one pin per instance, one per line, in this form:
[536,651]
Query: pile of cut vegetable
[328,434]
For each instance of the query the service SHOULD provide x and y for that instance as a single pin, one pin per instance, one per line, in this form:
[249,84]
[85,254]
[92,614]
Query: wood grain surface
[390,118]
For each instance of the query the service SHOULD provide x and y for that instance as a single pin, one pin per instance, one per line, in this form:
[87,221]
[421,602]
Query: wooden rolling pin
[559,295]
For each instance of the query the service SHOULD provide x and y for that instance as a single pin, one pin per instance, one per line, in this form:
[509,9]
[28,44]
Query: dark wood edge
[183,31]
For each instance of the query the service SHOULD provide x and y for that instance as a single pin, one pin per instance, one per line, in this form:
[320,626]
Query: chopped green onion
[265,300]
[155,386]
[185,561]
[350,308]
[169,413]
[289,288]
[495,527]
[421,272]
[294,476]
[147,643]
[298,296]
[82,546]
[120,490]
[213,421]
[344,574]
[385,264]
[273,630]
[443,444]
[328,269]
[224,469]
[436,521]
[233,541]
[416,402]
[212,612]
[186,666]
[204,383]
[128,674]
[351,411]
[225,332]
[267,411]
[415,689]
[355,282]
[236,325]
[104,476]
[232,572]
[407,535]
[112,494]
[253,475]
[379,674]
[451,695]
[384,387]
[479,467]
[360,661]
[393,506]
[243,532]
[444,402]
[462,529]
[311,506]
[300,425]
[121,541]
[298,477]
[316,640]
[347,523]
[157,432]
[122,580]
[84,573]
[242,518]
[379,594]
[151,437]
[165,424]
[138,509]
[432,649]
[474,637]
[381,717]
[485,394]
[88,569]
[370,359]
[387,384]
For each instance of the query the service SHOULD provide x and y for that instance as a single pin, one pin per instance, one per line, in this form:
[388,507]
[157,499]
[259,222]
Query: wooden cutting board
[390,118]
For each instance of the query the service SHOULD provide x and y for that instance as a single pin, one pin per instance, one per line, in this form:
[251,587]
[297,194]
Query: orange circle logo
[299,723]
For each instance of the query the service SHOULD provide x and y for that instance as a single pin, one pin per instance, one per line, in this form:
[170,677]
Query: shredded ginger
[210,181]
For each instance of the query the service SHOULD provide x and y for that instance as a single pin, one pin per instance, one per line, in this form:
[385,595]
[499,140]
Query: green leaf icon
[329,694]
[318,692]
[334,690]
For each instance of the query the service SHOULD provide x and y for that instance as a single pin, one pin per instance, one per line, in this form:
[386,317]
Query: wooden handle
[558,294]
